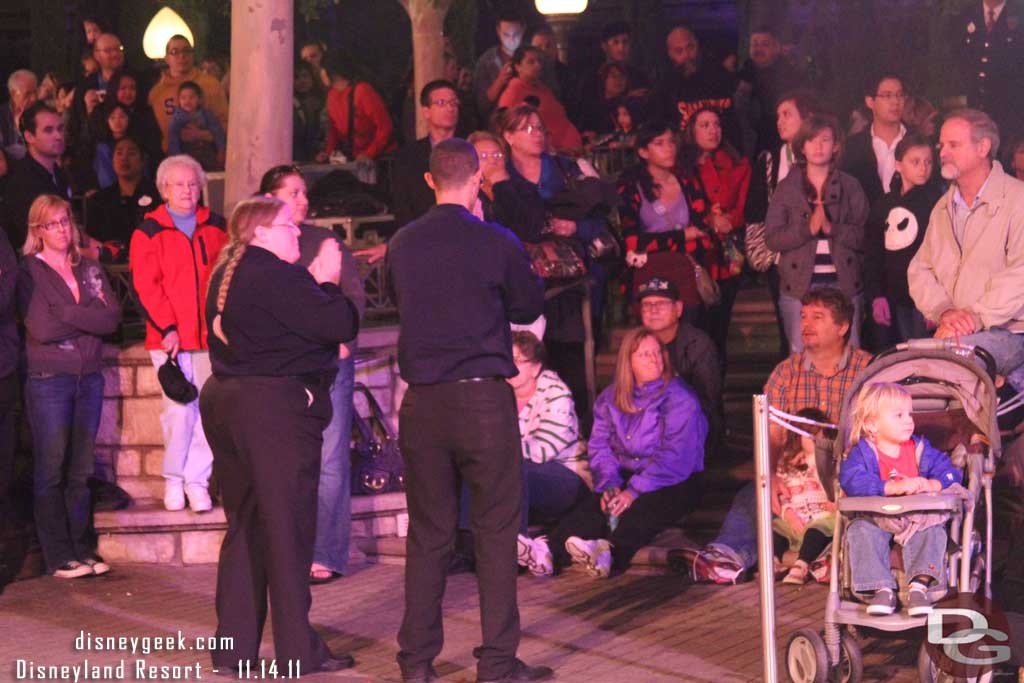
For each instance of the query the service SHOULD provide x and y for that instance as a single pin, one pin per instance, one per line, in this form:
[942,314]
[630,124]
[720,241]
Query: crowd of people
[738,177]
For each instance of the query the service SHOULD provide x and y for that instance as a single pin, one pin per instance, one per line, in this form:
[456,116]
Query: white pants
[188,459]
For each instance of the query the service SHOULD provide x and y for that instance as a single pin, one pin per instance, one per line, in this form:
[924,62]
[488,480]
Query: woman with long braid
[276,327]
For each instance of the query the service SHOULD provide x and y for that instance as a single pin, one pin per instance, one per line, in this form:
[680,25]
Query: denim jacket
[859,476]
[660,445]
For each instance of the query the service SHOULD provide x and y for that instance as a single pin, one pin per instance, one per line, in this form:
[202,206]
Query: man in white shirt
[870,155]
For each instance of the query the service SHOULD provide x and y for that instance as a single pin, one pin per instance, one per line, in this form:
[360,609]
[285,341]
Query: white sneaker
[595,556]
[73,570]
[174,496]
[198,498]
[535,555]
[96,563]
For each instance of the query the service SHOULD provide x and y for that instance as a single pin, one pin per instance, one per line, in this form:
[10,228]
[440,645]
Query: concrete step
[146,532]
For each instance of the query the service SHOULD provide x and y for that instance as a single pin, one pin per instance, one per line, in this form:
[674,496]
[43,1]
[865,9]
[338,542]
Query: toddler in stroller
[886,459]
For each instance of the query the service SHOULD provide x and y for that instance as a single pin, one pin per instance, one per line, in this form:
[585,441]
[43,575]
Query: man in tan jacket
[163,97]
[968,276]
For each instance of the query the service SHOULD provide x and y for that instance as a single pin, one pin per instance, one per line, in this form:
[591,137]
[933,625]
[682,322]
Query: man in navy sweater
[459,282]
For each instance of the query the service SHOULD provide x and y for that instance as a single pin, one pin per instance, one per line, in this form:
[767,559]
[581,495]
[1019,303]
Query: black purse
[376,460]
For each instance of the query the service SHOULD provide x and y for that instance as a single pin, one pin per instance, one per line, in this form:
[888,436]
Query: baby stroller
[954,404]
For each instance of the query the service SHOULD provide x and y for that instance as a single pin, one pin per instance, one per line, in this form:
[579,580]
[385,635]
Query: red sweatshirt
[373,134]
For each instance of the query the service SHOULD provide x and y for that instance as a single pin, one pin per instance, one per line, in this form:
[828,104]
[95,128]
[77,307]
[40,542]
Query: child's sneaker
[918,603]
[882,603]
[535,555]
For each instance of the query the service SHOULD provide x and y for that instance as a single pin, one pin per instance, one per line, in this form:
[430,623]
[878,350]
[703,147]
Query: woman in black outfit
[274,351]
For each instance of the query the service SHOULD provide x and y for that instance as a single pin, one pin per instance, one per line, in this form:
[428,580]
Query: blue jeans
[789,308]
[868,547]
[549,491]
[64,414]
[739,530]
[334,496]
[1007,350]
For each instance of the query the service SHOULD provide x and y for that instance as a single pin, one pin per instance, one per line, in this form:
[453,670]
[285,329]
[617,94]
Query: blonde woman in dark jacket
[816,222]
[68,306]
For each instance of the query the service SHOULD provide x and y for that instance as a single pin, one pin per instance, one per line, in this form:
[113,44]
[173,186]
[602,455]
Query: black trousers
[814,542]
[650,514]
[468,430]
[9,392]
[266,433]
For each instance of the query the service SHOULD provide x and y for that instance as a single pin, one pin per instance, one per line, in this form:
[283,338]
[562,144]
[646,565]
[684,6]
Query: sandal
[797,575]
[319,574]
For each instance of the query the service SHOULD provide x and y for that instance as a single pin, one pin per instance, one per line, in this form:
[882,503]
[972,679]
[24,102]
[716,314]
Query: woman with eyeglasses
[549,176]
[68,306]
[528,64]
[646,450]
[171,256]
[276,328]
[334,502]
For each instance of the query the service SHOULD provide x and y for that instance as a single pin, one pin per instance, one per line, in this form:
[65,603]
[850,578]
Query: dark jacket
[458,283]
[892,235]
[63,336]
[859,160]
[170,274]
[695,360]
[9,343]
[787,230]
[412,197]
[278,321]
[28,180]
[110,216]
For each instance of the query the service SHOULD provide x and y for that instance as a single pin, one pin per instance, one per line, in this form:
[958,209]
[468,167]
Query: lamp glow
[162,26]
[561,6]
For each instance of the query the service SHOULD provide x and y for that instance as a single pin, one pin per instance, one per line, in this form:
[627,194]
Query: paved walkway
[637,628]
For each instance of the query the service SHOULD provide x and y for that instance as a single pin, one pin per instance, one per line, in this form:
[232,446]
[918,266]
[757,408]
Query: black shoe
[461,564]
[335,663]
[522,673]
[423,674]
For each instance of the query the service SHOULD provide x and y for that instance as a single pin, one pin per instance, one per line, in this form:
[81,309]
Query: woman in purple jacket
[645,448]
[68,306]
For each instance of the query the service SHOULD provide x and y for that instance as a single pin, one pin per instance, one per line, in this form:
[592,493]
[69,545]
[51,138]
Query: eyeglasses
[454,102]
[891,96]
[290,226]
[655,305]
[110,50]
[178,51]
[491,155]
[530,129]
[647,355]
[53,225]
[180,187]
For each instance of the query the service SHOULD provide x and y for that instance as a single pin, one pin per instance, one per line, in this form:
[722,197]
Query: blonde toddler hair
[871,400]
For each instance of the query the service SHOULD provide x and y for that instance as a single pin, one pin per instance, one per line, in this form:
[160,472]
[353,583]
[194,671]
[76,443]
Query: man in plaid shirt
[817,377]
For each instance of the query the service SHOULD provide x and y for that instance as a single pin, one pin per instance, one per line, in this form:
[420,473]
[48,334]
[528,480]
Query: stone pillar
[427,18]
[260,121]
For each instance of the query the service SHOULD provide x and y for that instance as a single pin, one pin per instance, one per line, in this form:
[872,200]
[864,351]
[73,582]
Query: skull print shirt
[893,234]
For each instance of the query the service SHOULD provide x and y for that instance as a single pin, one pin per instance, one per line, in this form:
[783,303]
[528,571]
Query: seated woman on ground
[646,450]
[807,518]
[555,471]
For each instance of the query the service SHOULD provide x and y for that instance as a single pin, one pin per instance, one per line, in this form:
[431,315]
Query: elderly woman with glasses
[646,450]
[276,327]
[171,256]
[67,306]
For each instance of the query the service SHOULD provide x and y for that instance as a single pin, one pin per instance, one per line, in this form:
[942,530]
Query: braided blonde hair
[247,216]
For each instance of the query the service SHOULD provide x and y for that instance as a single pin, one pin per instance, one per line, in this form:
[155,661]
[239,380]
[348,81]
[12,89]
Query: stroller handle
[932,344]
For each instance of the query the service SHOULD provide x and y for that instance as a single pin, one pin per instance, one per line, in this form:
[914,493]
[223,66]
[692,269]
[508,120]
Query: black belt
[492,378]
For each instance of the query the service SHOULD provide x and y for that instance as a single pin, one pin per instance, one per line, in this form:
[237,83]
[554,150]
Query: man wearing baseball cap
[690,349]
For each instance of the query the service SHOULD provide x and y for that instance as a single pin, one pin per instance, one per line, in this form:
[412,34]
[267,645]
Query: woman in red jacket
[171,256]
[527,61]
[724,176]
[365,133]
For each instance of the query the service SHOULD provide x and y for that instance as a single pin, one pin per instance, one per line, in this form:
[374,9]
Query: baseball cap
[657,286]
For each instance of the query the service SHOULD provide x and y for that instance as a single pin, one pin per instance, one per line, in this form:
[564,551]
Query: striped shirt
[824,267]
[549,427]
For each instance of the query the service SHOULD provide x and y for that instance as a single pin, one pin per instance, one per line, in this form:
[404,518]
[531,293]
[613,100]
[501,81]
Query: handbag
[759,256]
[554,258]
[707,288]
[376,460]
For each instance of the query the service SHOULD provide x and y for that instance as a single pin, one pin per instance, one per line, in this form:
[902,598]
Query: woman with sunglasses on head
[276,328]
[68,306]
[334,509]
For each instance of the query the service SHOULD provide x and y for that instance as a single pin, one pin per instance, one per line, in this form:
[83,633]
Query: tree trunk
[427,18]
[260,121]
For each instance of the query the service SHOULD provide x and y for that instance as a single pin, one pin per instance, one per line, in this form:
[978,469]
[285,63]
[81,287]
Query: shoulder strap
[350,150]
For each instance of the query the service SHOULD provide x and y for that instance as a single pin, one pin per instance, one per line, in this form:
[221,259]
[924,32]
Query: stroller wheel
[806,657]
[927,672]
[851,665]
